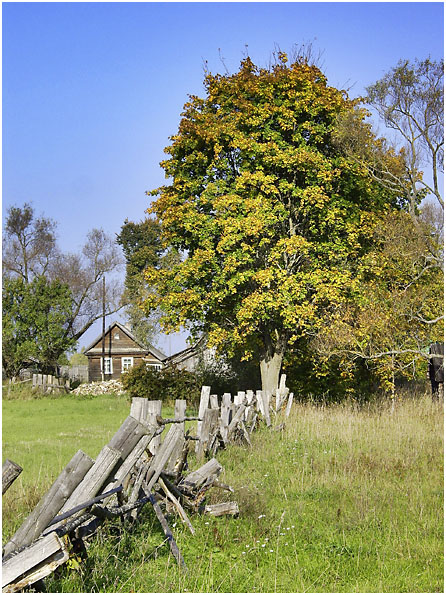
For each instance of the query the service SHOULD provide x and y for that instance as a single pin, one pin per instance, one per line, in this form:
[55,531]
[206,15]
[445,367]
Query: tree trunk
[274,347]
[270,371]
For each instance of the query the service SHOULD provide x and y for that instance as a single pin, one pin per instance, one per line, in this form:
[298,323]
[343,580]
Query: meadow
[346,498]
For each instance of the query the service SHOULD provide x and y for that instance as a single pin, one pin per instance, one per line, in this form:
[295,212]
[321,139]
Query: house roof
[143,349]
[189,352]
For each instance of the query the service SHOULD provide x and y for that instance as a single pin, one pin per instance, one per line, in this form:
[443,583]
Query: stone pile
[99,388]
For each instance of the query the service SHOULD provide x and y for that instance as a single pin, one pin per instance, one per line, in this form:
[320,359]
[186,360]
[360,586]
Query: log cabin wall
[121,351]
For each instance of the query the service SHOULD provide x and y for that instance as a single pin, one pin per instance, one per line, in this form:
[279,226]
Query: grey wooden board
[38,573]
[30,557]
[167,532]
[157,464]
[214,401]
[289,404]
[224,421]
[153,410]
[222,509]
[209,424]
[139,408]
[259,403]
[226,399]
[10,472]
[237,417]
[177,505]
[197,478]
[124,469]
[180,413]
[95,478]
[204,403]
[250,404]
[127,436]
[263,399]
[48,507]
[239,398]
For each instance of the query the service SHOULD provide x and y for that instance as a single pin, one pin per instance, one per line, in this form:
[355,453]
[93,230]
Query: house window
[155,366]
[108,365]
[126,363]
[116,336]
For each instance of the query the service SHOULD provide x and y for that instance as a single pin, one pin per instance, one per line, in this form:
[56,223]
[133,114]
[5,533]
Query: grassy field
[345,499]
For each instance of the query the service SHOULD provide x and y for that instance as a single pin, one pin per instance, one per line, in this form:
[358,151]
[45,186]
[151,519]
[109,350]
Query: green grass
[42,435]
[345,499]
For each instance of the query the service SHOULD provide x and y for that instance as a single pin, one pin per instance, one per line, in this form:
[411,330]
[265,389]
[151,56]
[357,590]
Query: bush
[166,384]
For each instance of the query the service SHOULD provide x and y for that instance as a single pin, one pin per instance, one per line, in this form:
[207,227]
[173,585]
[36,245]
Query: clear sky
[92,91]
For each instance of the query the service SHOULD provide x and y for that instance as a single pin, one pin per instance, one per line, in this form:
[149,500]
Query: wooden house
[122,351]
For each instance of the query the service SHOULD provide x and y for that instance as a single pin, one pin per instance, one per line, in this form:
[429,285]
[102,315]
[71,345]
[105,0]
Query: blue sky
[92,91]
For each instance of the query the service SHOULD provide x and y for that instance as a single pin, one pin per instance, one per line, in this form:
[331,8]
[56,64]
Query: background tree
[142,247]
[401,306]
[30,253]
[35,316]
[29,243]
[410,100]
[83,273]
[271,217]
[79,359]
[397,310]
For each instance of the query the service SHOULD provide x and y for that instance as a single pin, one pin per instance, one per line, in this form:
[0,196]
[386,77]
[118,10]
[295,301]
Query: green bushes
[166,384]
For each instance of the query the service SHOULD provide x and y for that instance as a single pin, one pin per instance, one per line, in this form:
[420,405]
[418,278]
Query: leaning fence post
[51,503]
[10,472]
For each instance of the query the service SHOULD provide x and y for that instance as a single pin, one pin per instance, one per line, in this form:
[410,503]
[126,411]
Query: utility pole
[103,329]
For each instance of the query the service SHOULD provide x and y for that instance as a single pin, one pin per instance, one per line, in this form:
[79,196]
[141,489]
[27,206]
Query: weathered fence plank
[204,403]
[127,436]
[41,558]
[250,405]
[239,398]
[167,532]
[153,411]
[222,509]
[289,404]
[10,472]
[235,420]
[94,479]
[209,424]
[180,413]
[139,408]
[131,460]
[197,478]
[177,505]
[51,503]
[159,461]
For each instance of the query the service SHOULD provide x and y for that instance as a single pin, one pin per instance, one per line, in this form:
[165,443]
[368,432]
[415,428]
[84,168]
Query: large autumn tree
[271,217]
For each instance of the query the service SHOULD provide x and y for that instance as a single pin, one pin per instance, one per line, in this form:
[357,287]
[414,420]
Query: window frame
[154,365]
[127,357]
[104,362]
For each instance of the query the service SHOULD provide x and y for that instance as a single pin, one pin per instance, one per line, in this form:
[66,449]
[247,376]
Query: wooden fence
[50,384]
[137,467]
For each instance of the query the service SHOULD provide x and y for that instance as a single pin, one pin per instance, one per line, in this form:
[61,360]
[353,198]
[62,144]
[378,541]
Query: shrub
[166,384]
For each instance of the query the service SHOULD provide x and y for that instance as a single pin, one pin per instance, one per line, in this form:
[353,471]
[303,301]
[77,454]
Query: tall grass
[346,498]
